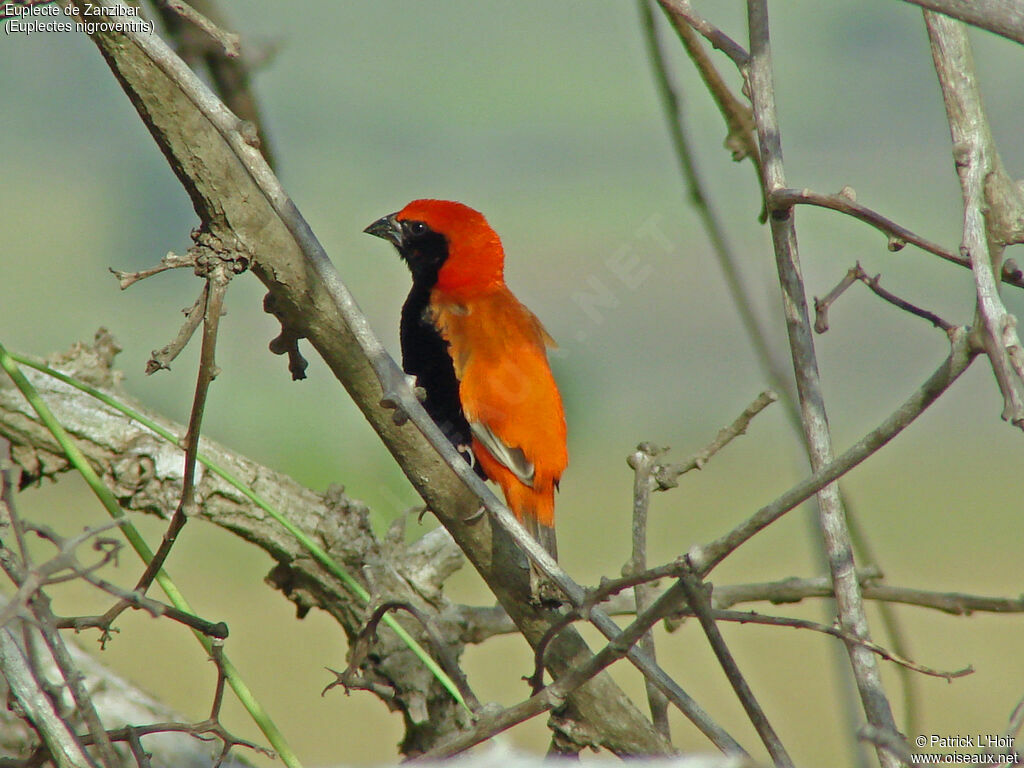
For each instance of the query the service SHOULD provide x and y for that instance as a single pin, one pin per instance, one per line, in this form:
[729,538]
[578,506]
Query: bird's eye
[417,228]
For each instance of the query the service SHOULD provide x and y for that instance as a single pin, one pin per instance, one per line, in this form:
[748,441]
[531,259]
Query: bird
[480,356]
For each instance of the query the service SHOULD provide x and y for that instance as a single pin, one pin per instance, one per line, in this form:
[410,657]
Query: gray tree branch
[1004,17]
[835,532]
[993,206]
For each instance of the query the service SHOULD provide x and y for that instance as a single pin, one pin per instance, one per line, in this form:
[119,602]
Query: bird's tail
[543,534]
[535,509]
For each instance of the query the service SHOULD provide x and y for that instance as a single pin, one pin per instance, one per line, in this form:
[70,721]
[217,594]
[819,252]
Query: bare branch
[748,617]
[170,261]
[144,473]
[698,596]
[835,532]
[708,556]
[667,475]
[160,359]
[25,689]
[993,206]
[1004,17]
[643,464]
[682,10]
[855,273]
[845,202]
[484,622]
[229,41]
[555,694]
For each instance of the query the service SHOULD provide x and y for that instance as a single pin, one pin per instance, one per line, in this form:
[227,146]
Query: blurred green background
[543,115]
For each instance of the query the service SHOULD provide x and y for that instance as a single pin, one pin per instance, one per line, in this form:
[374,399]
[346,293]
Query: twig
[885,739]
[214,290]
[857,273]
[728,262]
[845,202]
[993,205]
[681,9]
[484,622]
[26,692]
[643,463]
[740,139]
[667,475]
[1013,727]
[555,694]
[1003,17]
[229,41]
[229,75]
[132,734]
[749,617]
[46,625]
[698,596]
[50,572]
[960,357]
[815,421]
[160,359]
[361,647]
[170,261]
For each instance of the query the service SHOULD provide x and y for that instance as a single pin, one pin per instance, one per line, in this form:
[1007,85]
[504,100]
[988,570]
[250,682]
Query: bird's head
[447,245]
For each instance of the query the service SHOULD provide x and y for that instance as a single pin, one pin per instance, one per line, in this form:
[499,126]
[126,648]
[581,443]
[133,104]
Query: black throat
[425,353]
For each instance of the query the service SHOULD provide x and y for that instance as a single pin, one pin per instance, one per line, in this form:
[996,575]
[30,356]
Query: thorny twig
[360,647]
[209,727]
[38,605]
[857,273]
[218,273]
[65,566]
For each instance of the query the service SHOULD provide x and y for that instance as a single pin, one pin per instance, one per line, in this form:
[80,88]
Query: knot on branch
[286,342]
[212,253]
[91,363]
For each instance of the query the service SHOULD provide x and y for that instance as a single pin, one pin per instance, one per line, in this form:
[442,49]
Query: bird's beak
[387,228]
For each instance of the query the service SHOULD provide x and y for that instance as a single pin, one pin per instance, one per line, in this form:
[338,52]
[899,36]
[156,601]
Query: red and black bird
[480,356]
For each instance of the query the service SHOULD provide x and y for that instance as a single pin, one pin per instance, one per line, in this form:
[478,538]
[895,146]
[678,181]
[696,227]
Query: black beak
[387,228]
